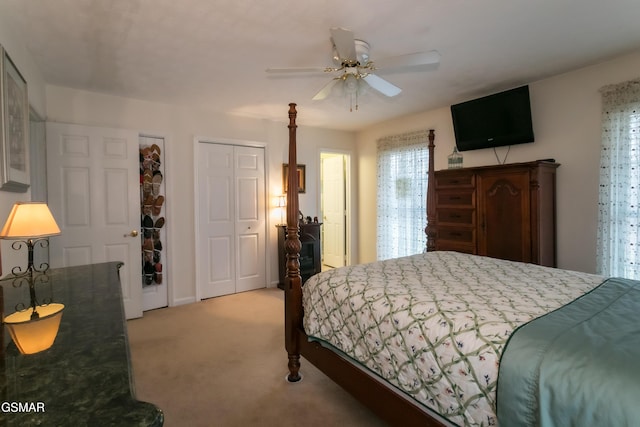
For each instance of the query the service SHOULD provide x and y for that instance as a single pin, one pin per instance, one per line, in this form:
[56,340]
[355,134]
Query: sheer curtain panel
[403,162]
[619,198]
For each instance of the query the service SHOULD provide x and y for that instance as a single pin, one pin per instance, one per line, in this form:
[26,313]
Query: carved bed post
[430,229]
[292,246]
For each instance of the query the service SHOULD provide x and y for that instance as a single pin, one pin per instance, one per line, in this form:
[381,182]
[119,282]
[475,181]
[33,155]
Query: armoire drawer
[455,198]
[454,179]
[455,216]
[456,234]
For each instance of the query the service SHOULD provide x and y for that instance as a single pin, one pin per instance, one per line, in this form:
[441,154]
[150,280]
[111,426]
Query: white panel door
[93,182]
[333,210]
[231,219]
[250,218]
[215,235]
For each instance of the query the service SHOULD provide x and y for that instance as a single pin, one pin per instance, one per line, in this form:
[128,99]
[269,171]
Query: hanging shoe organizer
[152,201]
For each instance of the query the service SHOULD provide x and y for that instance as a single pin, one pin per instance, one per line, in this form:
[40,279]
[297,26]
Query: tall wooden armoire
[504,211]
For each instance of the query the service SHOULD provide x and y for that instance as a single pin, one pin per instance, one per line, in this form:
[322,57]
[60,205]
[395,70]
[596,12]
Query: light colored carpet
[221,362]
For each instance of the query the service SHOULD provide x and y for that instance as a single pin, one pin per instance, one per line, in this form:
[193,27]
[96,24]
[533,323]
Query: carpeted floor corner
[221,362]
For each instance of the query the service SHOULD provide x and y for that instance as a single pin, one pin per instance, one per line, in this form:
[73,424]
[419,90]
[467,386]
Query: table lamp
[32,329]
[282,204]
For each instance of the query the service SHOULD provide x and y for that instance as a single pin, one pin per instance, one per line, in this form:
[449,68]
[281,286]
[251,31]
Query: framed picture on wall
[14,127]
[301,178]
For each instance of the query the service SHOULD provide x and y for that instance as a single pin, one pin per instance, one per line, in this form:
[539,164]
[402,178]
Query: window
[619,198]
[403,162]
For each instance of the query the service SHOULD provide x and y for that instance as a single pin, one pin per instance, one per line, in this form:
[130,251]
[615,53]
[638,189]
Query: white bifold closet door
[230,234]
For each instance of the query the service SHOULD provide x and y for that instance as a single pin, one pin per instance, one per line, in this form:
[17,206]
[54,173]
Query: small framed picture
[14,127]
[301,178]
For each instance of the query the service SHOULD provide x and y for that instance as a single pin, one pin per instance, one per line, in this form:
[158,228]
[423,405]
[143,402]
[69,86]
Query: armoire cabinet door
[504,215]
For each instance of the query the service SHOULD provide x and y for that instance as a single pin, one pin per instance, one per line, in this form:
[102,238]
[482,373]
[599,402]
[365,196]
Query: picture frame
[14,127]
[301,177]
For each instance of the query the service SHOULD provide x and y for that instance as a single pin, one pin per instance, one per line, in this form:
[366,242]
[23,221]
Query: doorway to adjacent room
[335,196]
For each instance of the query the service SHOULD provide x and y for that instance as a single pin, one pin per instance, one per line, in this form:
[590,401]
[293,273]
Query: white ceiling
[215,52]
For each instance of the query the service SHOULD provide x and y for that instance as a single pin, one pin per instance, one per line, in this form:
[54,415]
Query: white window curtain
[403,162]
[619,199]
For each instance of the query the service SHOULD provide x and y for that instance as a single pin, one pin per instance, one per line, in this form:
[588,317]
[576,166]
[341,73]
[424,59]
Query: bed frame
[383,400]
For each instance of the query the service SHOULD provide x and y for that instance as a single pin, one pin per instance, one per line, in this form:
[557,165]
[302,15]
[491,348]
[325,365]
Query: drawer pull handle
[454,198]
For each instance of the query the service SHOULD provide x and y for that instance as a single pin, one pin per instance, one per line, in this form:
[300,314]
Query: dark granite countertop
[85,378]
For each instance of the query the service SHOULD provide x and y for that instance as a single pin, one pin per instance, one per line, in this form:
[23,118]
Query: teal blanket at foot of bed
[576,366]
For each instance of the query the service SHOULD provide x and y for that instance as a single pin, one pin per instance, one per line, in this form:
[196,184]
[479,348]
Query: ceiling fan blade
[345,44]
[381,85]
[408,61]
[326,90]
[297,70]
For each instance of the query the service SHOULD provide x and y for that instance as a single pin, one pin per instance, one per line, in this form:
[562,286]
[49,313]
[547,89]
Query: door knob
[133,233]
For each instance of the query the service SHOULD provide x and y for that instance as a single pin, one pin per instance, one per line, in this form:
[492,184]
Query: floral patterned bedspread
[434,325]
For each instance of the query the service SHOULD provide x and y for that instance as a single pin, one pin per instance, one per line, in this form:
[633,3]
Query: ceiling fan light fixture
[363,86]
[350,83]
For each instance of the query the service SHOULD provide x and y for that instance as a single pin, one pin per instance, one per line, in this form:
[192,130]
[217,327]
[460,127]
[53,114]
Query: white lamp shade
[29,220]
[35,335]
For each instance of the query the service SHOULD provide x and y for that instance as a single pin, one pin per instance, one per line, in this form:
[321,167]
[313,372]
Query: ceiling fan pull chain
[351,102]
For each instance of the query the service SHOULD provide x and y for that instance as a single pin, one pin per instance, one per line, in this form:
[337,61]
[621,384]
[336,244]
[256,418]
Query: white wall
[566,117]
[181,126]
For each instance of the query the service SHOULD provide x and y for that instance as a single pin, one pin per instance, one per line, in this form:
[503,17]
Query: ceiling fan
[355,69]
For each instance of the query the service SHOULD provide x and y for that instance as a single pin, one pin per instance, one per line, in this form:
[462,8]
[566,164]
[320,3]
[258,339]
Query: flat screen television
[496,120]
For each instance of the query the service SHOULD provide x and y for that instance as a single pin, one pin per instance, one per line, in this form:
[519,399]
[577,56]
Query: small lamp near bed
[282,204]
[33,328]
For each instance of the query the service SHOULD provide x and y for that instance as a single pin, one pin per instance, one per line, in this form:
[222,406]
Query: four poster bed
[422,340]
